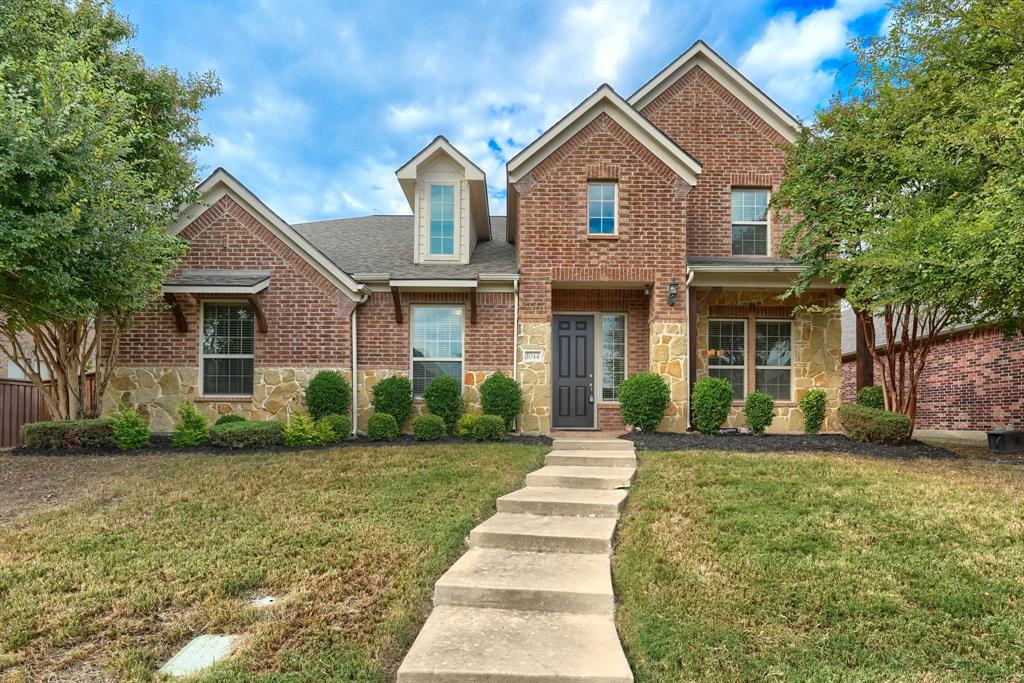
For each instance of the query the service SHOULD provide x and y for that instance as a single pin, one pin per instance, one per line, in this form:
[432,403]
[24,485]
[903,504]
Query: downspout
[515,335]
[689,379]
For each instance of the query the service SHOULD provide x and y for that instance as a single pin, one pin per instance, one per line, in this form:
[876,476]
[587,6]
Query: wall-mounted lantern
[673,291]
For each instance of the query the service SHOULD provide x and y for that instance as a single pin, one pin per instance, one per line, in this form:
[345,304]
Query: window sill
[223,399]
[603,237]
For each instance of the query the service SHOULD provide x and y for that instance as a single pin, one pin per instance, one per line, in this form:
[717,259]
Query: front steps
[531,601]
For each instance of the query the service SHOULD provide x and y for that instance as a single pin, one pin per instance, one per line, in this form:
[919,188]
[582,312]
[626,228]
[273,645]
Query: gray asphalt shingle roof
[219,278]
[384,244]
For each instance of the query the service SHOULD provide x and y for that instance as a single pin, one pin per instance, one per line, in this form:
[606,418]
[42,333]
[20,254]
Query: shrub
[340,426]
[871,397]
[192,430]
[56,434]
[246,434]
[643,397]
[382,427]
[501,395]
[130,429]
[759,411]
[862,423]
[489,428]
[428,427]
[328,393]
[465,426]
[302,431]
[712,398]
[443,397]
[814,405]
[228,419]
[393,395]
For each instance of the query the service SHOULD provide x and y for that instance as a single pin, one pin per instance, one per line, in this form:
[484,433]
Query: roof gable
[700,54]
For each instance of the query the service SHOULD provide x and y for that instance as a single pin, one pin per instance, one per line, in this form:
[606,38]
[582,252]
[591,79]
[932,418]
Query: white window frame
[599,360]
[615,208]
[413,359]
[203,355]
[792,350]
[455,220]
[767,222]
[745,355]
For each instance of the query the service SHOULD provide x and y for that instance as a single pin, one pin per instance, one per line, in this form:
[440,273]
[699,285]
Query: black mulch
[783,443]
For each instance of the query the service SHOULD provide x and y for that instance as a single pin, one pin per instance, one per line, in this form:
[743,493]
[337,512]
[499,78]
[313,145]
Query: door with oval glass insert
[573,371]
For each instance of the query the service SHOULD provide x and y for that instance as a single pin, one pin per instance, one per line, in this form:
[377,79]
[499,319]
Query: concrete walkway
[532,601]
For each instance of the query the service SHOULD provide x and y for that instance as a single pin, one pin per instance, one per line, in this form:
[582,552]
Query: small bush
[465,427]
[302,431]
[59,434]
[759,411]
[340,426]
[192,429]
[130,429]
[870,424]
[489,428]
[643,398]
[443,397]
[712,398]
[428,427]
[98,433]
[393,395]
[814,405]
[228,419]
[382,427]
[501,395]
[328,393]
[871,397]
[246,434]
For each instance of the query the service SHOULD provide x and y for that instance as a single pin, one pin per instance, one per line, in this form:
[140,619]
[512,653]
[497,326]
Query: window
[750,222]
[773,370]
[442,219]
[227,349]
[436,344]
[601,211]
[727,354]
[13,371]
[613,355]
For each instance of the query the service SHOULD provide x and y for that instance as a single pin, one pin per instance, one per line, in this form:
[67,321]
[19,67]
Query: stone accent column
[535,378]
[668,359]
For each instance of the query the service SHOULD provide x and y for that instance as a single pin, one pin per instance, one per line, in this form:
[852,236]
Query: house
[971,380]
[638,237]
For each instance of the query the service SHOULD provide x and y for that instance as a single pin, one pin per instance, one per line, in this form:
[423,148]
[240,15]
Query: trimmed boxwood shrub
[712,398]
[130,429]
[58,434]
[393,395]
[229,418]
[643,398]
[465,426]
[489,428]
[192,429]
[246,434]
[302,431]
[759,411]
[328,393]
[501,395]
[871,397]
[428,427]
[340,426]
[814,405]
[382,427]
[443,397]
[870,424]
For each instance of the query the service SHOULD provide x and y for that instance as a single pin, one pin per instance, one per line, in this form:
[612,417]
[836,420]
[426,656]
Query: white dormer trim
[700,54]
[605,101]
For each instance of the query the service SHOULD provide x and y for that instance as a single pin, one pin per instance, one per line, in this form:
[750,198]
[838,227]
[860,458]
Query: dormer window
[601,208]
[442,220]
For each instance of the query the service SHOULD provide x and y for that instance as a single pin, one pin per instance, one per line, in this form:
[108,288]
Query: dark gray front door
[574,371]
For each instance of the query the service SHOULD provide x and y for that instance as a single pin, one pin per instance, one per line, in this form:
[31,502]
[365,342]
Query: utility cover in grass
[201,652]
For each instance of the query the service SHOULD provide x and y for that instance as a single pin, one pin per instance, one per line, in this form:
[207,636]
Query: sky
[322,101]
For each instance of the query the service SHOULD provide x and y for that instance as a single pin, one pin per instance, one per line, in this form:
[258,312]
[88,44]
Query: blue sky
[322,101]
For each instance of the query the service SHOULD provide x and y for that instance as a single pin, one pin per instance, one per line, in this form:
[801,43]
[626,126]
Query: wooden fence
[22,402]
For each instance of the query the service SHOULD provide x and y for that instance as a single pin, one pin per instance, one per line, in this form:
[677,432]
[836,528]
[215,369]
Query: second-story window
[601,208]
[442,220]
[750,222]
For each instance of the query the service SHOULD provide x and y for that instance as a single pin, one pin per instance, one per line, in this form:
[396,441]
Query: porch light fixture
[673,291]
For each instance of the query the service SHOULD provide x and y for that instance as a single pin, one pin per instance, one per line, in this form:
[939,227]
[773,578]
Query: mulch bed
[784,443]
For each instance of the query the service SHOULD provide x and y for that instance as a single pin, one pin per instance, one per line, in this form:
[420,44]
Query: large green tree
[910,191]
[96,156]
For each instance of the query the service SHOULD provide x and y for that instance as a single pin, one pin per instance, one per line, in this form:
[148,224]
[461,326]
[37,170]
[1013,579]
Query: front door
[573,375]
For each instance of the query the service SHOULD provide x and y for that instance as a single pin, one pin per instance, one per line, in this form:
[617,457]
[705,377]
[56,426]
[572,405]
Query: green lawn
[815,568]
[114,582]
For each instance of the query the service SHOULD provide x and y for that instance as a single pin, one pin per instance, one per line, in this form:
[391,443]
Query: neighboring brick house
[973,379]
[11,370]
[637,238]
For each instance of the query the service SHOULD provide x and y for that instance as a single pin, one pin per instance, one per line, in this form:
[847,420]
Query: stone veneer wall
[668,359]
[369,377]
[535,378]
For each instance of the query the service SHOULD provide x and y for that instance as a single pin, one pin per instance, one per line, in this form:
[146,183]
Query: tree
[910,192]
[96,156]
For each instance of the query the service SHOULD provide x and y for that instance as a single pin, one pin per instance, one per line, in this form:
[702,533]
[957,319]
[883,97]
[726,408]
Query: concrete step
[592,458]
[584,444]
[576,477]
[545,533]
[549,582]
[538,500]
[474,645]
